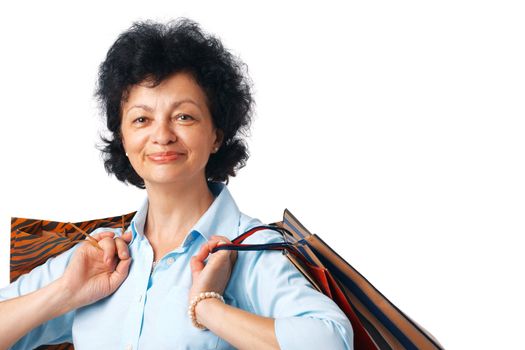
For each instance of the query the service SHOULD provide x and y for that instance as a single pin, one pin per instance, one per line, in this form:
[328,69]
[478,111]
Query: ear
[121,137]
[123,142]
[220,137]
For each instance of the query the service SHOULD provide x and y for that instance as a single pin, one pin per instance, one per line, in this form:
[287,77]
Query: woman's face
[167,130]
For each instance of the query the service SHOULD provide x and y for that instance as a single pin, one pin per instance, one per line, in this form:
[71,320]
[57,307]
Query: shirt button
[129,347]
[170,261]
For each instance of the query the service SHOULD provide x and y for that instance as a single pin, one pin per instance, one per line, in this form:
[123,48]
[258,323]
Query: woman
[177,104]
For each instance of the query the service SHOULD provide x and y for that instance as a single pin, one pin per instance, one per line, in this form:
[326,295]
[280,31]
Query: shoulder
[246,223]
[261,263]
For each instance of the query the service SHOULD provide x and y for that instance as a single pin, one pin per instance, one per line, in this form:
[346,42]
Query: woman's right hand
[93,274]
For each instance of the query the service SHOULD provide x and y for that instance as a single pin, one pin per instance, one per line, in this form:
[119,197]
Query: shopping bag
[33,241]
[377,322]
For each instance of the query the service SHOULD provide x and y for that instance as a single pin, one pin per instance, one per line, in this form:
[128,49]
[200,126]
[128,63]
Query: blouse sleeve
[54,331]
[304,317]
[57,330]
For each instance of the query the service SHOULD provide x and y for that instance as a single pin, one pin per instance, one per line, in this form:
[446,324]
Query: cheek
[198,140]
[133,142]
[187,141]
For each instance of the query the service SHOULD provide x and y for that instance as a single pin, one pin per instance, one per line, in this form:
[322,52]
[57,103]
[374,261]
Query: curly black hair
[154,51]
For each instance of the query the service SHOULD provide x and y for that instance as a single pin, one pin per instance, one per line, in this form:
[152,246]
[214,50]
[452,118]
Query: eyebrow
[172,106]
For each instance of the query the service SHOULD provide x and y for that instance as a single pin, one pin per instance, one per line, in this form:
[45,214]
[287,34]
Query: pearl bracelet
[195,301]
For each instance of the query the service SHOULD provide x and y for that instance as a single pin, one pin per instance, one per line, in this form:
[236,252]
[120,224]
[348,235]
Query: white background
[393,129]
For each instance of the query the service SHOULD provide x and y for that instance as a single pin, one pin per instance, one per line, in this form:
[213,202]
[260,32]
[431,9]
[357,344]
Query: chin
[167,179]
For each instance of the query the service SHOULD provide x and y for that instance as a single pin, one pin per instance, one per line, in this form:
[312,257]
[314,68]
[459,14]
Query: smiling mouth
[164,156]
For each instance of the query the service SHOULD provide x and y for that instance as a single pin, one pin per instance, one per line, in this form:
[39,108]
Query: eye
[140,120]
[184,117]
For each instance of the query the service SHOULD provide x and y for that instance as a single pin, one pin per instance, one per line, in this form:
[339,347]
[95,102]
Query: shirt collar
[221,218]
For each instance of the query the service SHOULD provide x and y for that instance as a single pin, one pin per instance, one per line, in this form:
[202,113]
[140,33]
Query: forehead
[176,87]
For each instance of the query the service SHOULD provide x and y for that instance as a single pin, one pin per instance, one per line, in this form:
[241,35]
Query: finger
[197,261]
[220,243]
[108,246]
[223,252]
[233,256]
[127,236]
[122,248]
[93,239]
[203,253]
[219,237]
[196,266]
[216,240]
[121,272]
[220,240]
[101,235]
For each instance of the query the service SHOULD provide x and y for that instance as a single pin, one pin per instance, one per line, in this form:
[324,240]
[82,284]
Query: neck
[174,208]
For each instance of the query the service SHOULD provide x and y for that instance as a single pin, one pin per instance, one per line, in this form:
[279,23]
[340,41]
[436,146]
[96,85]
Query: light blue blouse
[149,310]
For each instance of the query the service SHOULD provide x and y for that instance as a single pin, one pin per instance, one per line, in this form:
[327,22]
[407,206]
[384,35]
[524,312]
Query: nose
[164,133]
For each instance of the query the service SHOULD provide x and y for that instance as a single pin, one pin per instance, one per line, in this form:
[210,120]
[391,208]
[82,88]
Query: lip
[163,157]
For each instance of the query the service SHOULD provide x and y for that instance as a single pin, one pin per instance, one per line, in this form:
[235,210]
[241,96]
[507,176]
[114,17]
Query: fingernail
[124,254]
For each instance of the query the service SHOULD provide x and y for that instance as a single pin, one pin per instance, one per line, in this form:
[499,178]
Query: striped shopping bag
[34,241]
[377,323]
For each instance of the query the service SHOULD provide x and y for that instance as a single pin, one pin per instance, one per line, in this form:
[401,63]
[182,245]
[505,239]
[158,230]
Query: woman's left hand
[213,275]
